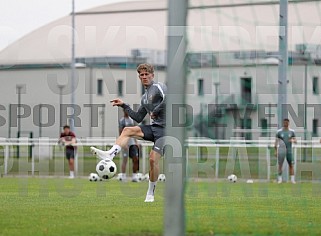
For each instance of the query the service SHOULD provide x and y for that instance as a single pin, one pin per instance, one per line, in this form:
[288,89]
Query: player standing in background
[132,149]
[68,138]
[152,103]
[283,148]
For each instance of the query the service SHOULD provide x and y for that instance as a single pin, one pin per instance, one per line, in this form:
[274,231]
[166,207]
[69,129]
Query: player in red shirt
[68,139]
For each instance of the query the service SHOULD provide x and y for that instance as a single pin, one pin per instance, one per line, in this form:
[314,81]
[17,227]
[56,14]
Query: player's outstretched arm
[117,102]
[138,115]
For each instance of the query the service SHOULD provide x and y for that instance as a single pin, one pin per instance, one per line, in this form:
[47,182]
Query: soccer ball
[232,178]
[93,177]
[146,177]
[120,177]
[161,178]
[106,169]
[140,176]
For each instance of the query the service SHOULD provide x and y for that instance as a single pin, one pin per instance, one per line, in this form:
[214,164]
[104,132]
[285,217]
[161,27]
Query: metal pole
[270,120]
[91,101]
[216,84]
[201,120]
[73,68]
[40,120]
[19,87]
[61,87]
[102,113]
[175,168]
[283,62]
[9,122]
[305,108]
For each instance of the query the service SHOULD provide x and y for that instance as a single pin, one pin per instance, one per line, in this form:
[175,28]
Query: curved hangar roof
[115,29]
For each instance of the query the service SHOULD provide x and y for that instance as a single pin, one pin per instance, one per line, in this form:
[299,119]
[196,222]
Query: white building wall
[41,88]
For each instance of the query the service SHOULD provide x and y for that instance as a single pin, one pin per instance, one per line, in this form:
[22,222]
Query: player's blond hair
[145,67]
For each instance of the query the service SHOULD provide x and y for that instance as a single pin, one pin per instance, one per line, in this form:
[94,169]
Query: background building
[232,62]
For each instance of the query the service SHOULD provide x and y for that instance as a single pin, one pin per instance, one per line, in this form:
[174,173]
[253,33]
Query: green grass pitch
[53,206]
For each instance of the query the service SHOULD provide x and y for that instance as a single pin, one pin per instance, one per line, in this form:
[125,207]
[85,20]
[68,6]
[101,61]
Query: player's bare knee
[127,131]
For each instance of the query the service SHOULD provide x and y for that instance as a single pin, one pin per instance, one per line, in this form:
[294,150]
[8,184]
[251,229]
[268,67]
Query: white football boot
[149,198]
[103,155]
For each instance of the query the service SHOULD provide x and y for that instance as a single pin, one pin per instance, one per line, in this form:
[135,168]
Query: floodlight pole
[175,162]
[283,66]
[305,108]
[283,62]
[216,84]
[60,87]
[19,88]
[73,67]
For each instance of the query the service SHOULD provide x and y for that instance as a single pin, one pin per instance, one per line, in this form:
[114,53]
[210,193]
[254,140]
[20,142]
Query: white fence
[215,162]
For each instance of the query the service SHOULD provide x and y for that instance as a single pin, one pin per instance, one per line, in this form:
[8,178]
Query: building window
[264,125]
[200,86]
[246,90]
[120,92]
[315,85]
[315,127]
[100,87]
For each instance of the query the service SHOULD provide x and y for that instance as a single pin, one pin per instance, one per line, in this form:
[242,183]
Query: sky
[19,17]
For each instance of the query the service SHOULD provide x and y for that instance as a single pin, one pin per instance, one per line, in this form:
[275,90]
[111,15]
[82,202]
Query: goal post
[174,217]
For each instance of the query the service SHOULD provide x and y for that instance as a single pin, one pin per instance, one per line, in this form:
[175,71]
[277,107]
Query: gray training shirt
[153,101]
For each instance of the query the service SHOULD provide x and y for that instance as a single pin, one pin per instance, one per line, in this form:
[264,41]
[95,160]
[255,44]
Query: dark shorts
[154,133]
[70,153]
[288,156]
[133,151]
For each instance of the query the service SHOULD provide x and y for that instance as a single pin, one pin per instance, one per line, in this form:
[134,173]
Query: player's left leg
[280,157]
[133,154]
[290,161]
[71,167]
[153,175]
[124,164]
[70,158]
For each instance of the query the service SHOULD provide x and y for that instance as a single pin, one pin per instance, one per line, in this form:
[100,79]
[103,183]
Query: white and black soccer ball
[140,177]
[146,177]
[161,178]
[120,177]
[232,178]
[93,177]
[106,169]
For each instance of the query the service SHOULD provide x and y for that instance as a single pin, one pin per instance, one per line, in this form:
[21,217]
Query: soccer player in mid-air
[152,103]
[283,148]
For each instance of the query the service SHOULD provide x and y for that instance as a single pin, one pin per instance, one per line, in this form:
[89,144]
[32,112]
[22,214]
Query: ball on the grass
[93,177]
[161,178]
[232,178]
[120,177]
[106,169]
[140,176]
[146,177]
